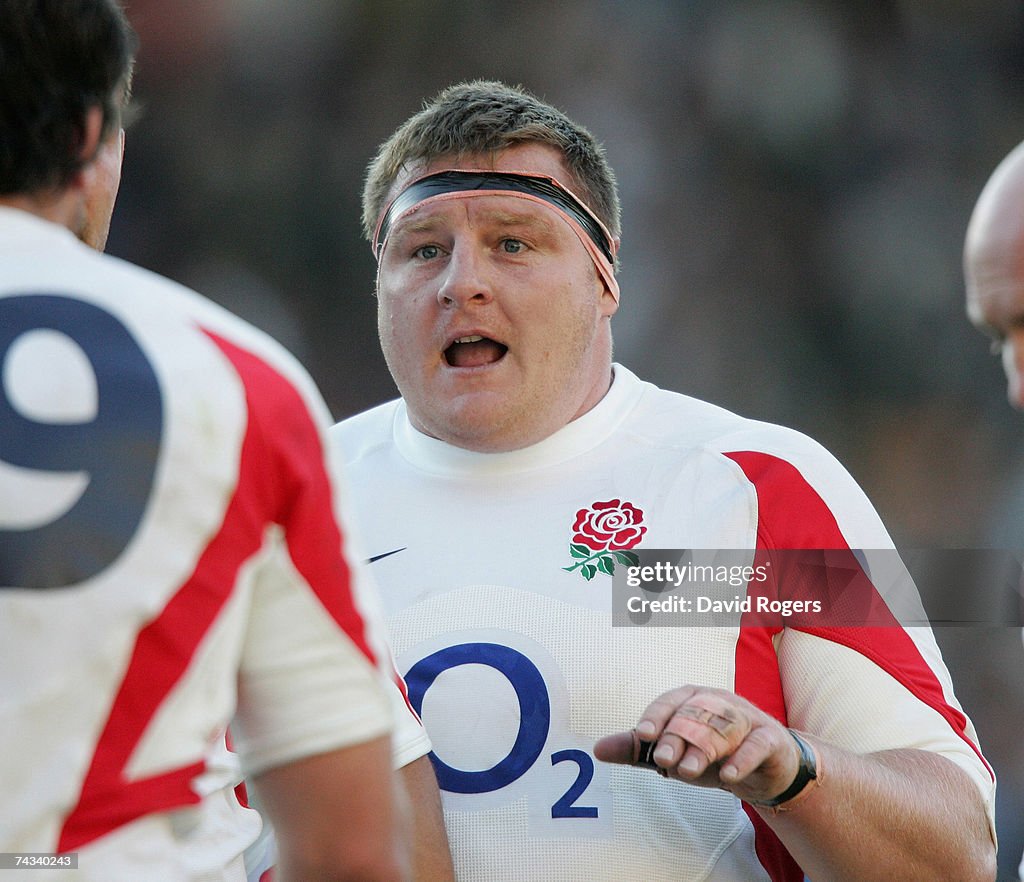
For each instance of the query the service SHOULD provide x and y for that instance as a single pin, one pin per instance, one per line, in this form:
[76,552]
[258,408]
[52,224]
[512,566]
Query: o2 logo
[114,447]
[566,791]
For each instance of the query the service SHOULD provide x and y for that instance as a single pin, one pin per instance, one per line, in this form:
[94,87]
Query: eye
[512,246]
[427,252]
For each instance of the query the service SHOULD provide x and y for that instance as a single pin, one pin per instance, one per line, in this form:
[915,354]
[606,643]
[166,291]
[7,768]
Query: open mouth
[474,351]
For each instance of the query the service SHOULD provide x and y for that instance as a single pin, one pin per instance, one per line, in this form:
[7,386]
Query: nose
[1013,365]
[465,278]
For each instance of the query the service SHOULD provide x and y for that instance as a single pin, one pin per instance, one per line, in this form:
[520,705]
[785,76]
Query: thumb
[617,748]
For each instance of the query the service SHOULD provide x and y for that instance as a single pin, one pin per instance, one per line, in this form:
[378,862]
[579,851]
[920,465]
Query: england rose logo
[603,534]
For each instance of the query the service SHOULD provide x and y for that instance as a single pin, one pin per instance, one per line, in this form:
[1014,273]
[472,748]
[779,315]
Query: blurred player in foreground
[172,548]
[521,467]
[994,272]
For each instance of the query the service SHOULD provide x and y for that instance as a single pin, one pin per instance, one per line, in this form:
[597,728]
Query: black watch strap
[805,773]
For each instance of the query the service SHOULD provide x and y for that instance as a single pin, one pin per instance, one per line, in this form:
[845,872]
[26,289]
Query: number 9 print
[110,434]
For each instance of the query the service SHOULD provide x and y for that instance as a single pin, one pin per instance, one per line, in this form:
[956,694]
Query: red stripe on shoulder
[791,515]
[302,487]
[285,483]
[162,653]
[758,680]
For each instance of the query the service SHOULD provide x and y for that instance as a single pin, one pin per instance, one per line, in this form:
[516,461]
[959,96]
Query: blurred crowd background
[796,178]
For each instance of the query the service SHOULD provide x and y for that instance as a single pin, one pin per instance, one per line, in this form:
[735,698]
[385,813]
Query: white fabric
[484,579]
[251,632]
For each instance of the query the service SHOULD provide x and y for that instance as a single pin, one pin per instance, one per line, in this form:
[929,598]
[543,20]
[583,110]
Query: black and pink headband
[460,184]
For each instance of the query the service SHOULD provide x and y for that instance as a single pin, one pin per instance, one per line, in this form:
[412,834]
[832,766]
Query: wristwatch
[805,773]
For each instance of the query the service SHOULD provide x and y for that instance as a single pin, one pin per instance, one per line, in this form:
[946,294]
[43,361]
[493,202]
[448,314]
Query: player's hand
[711,738]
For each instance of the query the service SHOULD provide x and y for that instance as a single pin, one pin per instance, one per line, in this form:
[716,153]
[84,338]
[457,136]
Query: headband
[455,184]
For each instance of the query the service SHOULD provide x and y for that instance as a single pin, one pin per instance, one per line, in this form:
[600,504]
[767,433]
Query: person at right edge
[994,274]
[521,467]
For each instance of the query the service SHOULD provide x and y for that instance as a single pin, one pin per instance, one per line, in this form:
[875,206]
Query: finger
[720,717]
[617,748]
[749,757]
[660,711]
[614,748]
[716,734]
[690,765]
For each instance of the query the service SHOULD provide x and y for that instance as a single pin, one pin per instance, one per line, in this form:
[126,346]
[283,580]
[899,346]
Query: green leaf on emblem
[628,558]
[589,571]
[579,550]
[606,565]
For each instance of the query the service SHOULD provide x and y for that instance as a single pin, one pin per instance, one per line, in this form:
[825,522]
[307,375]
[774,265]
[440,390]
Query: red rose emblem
[609,526]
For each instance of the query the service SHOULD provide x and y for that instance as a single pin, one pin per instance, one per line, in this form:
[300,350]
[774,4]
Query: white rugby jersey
[171,551]
[510,654]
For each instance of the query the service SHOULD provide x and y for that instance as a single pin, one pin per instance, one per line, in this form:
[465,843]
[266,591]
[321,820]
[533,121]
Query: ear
[608,305]
[90,145]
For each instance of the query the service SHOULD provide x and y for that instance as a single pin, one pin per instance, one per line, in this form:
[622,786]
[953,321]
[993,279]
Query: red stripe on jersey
[162,653]
[791,515]
[304,490]
[759,681]
[400,683]
[165,647]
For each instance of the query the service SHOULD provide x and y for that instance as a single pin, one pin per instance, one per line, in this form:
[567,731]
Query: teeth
[473,338]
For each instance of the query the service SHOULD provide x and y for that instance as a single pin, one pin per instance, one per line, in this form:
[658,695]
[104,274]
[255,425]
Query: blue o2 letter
[118,449]
[566,806]
[534,708]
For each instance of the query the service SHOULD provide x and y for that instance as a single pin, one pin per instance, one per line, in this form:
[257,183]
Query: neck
[59,207]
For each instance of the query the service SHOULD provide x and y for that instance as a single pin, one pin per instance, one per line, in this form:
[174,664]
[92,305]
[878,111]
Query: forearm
[900,814]
[336,816]
[431,856]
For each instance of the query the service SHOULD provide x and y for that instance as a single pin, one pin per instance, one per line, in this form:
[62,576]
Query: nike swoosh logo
[377,557]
